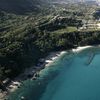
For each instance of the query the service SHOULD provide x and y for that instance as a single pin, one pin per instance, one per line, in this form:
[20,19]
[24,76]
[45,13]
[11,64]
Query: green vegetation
[22,6]
[24,39]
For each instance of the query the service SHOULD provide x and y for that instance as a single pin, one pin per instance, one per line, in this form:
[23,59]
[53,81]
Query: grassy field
[65,30]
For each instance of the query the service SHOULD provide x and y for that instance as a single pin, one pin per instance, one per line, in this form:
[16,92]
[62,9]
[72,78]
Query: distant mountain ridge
[21,6]
[26,6]
[72,1]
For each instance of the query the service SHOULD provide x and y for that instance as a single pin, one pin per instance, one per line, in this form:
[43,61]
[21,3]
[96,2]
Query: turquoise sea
[74,76]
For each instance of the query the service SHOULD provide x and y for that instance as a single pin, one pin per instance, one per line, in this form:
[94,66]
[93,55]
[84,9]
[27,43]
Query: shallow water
[69,78]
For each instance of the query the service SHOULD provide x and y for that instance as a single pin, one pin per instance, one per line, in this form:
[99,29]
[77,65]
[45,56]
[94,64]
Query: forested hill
[24,39]
[21,6]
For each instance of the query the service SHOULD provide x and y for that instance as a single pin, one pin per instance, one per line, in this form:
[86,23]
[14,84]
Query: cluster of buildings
[90,24]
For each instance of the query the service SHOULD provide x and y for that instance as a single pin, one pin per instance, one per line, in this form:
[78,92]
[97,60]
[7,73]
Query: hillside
[24,39]
[21,6]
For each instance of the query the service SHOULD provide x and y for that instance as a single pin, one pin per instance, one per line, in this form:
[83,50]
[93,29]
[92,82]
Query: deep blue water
[69,78]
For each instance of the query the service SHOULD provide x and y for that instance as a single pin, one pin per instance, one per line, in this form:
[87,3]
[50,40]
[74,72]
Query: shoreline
[81,48]
[34,70]
[52,57]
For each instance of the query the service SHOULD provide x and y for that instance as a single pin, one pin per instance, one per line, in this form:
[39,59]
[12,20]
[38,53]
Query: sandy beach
[52,57]
[79,49]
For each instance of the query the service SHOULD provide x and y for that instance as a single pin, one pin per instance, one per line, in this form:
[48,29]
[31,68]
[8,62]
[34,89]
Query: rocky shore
[30,73]
[33,72]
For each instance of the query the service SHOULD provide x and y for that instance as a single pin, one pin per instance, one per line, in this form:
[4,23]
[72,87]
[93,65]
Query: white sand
[2,95]
[13,86]
[78,49]
[54,56]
